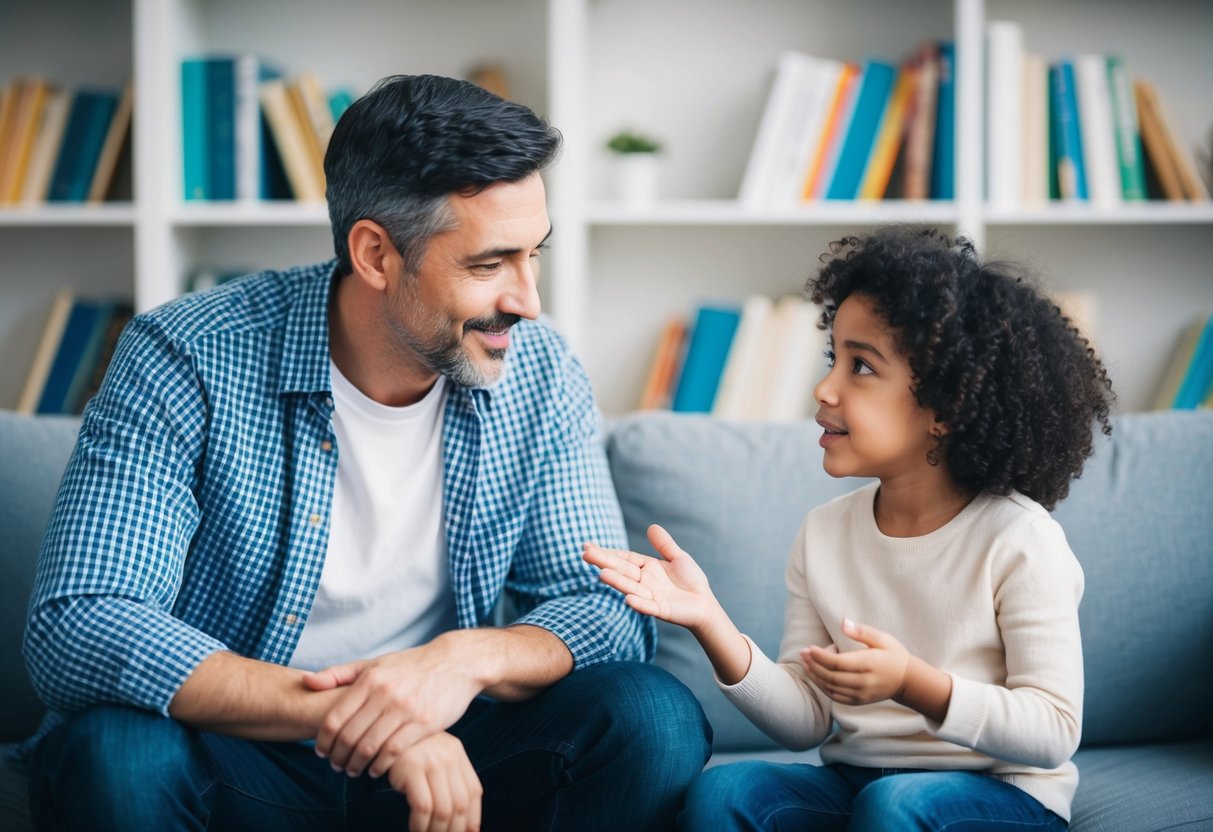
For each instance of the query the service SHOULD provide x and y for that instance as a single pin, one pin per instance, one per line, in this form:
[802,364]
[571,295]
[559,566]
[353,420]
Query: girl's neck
[912,509]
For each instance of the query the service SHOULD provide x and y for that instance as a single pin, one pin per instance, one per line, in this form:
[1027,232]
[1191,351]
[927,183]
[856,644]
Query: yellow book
[27,117]
[888,138]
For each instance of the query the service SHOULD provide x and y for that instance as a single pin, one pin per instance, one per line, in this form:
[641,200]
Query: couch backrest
[33,454]
[1140,521]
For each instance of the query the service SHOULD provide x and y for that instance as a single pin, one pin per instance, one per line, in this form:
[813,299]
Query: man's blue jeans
[757,795]
[613,747]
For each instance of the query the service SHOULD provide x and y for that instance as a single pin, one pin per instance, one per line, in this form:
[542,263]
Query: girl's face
[873,425]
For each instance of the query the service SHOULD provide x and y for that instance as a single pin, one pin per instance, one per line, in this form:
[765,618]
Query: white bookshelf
[693,72]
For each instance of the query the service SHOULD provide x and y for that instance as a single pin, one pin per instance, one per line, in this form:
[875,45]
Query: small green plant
[626,141]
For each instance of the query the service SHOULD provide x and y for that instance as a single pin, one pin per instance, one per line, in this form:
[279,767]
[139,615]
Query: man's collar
[305,355]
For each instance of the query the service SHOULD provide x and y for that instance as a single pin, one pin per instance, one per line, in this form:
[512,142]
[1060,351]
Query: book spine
[888,138]
[76,335]
[1071,172]
[916,182]
[1004,113]
[870,106]
[825,157]
[1199,373]
[706,354]
[1128,134]
[1098,133]
[194,130]
[943,168]
[221,127]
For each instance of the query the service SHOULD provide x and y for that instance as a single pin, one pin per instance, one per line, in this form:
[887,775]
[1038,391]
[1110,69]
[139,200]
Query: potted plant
[636,163]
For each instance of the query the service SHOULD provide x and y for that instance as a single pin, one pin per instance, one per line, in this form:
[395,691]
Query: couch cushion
[1140,520]
[1144,787]
[733,495]
[35,452]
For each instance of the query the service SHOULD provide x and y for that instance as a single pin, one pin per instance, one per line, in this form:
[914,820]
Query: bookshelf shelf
[68,215]
[727,212]
[1155,213]
[243,214]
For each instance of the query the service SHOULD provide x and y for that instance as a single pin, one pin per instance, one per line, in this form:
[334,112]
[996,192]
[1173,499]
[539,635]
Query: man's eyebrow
[506,252]
[864,346]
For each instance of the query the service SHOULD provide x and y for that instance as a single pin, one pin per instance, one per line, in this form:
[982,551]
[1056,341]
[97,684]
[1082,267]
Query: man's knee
[117,764]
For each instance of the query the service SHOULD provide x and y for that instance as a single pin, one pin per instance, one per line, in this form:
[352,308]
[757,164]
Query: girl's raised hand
[672,588]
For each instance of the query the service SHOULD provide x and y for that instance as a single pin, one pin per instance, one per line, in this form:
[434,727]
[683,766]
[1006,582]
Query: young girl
[933,614]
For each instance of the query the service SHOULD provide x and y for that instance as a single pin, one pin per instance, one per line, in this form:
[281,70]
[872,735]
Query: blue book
[1199,376]
[221,127]
[876,85]
[943,165]
[1065,133]
[340,101]
[194,135]
[73,344]
[711,337]
[88,122]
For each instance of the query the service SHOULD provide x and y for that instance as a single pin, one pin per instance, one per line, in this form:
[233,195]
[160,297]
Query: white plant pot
[636,177]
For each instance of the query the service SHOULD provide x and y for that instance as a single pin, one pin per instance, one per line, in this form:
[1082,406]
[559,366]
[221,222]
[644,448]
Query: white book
[744,359]
[248,127]
[1004,102]
[804,133]
[1098,131]
[772,130]
[1034,144]
[799,362]
[47,142]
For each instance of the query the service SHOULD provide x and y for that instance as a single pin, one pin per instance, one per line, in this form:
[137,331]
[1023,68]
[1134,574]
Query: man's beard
[448,356]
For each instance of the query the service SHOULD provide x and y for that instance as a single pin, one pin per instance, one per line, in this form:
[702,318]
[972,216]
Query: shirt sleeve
[100,627]
[1036,718]
[574,502]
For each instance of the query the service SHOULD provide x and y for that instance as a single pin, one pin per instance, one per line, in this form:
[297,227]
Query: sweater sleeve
[1036,718]
[777,696]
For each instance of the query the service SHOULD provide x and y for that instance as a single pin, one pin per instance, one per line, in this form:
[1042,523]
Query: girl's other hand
[859,677]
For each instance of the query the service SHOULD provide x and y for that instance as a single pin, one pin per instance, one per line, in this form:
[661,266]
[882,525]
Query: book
[1004,113]
[1035,142]
[838,113]
[943,169]
[10,97]
[1192,185]
[872,98]
[78,338]
[116,137]
[920,130]
[1199,372]
[195,138]
[46,146]
[340,101]
[256,174]
[707,349]
[1154,140]
[44,355]
[88,122]
[27,115]
[798,363]
[659,385]
[774,127]
[889,136]
[291,141]
[805,130]
[1128,133]
[118,316]
[220,121]
[1181,360]
[1065,133]
[744,363]
[1097,129]
[315,119]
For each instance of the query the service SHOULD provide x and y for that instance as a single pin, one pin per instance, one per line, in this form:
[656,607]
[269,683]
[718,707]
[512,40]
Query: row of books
[1077,128]
[59,144]
[73,353]
[250,133]
[1188,381]
[755,362]
[841,130]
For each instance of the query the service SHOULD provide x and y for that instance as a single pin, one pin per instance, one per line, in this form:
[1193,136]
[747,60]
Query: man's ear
[373,257]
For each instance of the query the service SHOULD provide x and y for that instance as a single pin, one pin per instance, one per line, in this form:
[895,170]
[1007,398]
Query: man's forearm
[229,694]
[512,663]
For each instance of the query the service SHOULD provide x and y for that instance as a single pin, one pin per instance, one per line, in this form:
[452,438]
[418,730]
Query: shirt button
[292,619]
[326,446]
[328,401]
[314,519]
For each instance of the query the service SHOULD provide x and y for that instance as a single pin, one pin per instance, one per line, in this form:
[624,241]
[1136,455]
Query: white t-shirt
[386,583]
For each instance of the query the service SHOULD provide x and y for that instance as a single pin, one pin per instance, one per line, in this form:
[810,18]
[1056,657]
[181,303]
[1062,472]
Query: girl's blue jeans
[756,795]
[610,747]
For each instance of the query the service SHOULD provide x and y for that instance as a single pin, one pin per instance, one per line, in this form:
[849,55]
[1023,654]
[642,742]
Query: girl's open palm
[672,588]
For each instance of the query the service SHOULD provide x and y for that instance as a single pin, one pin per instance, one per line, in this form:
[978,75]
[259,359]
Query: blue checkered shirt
[194,513]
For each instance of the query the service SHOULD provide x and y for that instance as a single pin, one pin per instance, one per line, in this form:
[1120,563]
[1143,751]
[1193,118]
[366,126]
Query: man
[293,508]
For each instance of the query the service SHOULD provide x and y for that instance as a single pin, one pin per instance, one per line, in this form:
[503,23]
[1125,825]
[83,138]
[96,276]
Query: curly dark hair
[1016,384]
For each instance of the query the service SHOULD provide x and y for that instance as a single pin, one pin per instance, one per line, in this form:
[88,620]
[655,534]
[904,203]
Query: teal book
[943,160]
[221,127]
[1128,132]
[77,336]
[1065,133]
[1199,375]
[876,86]
[194,137]
[88,124]
[340,101]
[711,337]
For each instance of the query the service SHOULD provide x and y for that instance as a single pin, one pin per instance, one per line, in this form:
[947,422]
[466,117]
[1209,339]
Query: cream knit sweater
[990,598]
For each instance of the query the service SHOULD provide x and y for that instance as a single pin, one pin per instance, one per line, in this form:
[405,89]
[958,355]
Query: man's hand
[885,670]
[390,703]
[437,778]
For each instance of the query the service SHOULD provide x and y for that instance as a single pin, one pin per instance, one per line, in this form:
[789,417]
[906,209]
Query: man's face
[476,281]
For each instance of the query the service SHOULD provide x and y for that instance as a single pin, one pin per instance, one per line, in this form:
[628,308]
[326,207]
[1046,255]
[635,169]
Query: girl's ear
[939,429]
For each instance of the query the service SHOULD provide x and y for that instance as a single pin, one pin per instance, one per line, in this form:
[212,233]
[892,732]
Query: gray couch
[1140,521]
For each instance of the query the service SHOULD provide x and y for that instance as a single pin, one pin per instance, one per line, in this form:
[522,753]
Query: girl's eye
[829,354]
[861,368]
